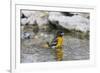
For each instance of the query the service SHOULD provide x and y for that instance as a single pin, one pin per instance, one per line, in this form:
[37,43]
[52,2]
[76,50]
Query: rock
[67,20]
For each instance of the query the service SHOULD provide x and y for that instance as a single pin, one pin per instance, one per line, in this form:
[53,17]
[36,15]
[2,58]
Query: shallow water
[74,49]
